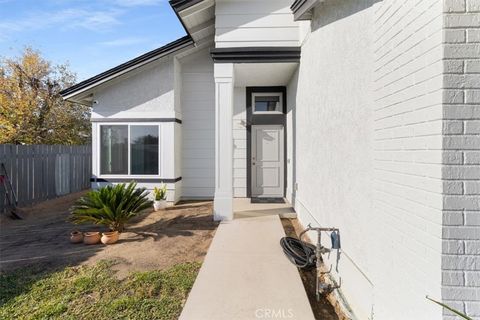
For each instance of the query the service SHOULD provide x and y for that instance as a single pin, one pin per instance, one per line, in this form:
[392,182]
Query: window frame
[129,125]
[100,149]
[267,94]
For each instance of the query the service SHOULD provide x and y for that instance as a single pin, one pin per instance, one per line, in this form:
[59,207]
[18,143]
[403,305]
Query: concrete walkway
[245,275]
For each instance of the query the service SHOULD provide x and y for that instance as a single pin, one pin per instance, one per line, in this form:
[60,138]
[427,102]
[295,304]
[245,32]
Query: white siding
[239,143]
[198,115]
[243,23]
[178,160]
[178,137]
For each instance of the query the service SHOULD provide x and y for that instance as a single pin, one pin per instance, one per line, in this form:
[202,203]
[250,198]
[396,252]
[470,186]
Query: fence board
[41,172]
[3,151]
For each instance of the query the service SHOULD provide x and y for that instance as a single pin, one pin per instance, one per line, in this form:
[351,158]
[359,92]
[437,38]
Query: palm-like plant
[111,206]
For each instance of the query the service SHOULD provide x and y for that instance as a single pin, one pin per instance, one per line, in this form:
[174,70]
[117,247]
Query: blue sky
[91,35]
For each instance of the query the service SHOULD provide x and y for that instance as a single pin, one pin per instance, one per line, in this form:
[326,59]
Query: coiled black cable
[300,253]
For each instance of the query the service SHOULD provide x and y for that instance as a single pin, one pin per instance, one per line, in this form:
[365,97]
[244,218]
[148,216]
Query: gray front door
[267,161]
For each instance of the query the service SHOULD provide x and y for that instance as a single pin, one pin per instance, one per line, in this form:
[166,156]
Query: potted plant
[160,197]
[111,206]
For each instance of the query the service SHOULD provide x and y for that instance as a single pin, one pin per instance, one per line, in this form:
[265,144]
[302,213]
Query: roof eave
[180,5]
[302,9]
[256,55]
[127,67]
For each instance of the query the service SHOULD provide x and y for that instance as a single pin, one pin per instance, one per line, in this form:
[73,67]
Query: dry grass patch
[95,292]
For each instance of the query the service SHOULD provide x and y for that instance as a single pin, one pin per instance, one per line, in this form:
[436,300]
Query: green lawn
[95,293]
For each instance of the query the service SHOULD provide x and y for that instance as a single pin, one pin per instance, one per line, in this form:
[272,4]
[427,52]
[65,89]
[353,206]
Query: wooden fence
[42,172]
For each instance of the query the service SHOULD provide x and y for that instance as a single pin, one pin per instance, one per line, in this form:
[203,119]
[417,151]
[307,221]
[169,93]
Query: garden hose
[300,253]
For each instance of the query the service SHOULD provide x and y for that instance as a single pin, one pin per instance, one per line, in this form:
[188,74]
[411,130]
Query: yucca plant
[458,313]
[111,206]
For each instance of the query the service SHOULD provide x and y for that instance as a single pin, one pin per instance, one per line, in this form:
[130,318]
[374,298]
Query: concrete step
[243,208]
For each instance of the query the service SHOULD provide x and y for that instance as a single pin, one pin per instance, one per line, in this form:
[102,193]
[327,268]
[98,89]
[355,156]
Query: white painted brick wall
[461,212]
[408,79]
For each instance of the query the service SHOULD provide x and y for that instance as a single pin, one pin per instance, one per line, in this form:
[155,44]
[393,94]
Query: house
[363,114]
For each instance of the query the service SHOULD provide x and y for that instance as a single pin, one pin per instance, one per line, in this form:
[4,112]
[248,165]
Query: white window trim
[128,175]
[267,94]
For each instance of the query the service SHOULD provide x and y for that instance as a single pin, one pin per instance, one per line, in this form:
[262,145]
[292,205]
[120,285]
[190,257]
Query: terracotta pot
[76,237]
[159,204]
[110,237]
[91,237]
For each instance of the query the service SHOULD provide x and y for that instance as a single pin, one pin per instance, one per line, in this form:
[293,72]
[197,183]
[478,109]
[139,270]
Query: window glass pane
[114,149]
[144,149]
[267,104]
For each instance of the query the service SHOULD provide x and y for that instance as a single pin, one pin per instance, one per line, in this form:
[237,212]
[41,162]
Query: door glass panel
[114,149]
[144,149]
[267,103]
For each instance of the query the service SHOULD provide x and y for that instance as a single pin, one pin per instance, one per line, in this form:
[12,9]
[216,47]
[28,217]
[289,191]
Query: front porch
[254,155]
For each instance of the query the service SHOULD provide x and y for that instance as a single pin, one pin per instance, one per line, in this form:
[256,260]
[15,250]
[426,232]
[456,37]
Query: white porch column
[224,82]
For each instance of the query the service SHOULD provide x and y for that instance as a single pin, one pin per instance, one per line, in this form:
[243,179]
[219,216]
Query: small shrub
[160,193]
[112,206]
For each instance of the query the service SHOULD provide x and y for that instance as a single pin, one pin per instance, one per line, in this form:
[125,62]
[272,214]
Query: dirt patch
[154,240]
[322,309]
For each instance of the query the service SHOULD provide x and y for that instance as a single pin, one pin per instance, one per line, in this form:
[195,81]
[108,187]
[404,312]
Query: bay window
[129,149]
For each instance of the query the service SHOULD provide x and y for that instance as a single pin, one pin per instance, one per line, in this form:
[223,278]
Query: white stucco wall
[332,137]
[198,114]
[365,118]
[145,93]
[255,23]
